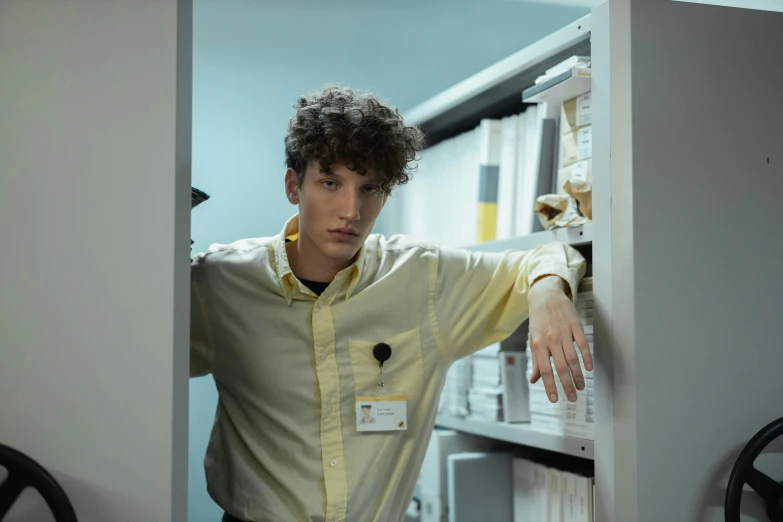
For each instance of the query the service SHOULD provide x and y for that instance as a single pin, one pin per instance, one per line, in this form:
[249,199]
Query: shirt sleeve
[201,339]
[480,298]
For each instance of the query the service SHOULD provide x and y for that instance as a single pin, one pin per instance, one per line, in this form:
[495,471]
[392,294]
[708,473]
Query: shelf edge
[521,434]
[574,236]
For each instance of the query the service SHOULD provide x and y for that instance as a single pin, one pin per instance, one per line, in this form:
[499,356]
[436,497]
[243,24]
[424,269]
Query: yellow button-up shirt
[288,365]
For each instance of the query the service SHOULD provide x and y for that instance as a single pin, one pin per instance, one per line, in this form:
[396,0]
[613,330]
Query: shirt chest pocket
[403,372]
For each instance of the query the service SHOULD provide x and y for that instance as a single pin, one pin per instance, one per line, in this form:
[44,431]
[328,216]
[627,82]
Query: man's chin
[342,251]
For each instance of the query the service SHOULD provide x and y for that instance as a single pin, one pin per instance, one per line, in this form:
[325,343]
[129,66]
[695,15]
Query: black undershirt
[316,287]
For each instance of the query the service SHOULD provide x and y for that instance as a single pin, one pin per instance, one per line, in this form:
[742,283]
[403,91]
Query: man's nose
[349,206]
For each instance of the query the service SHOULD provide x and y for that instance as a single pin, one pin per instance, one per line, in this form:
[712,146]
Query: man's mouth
[344,232]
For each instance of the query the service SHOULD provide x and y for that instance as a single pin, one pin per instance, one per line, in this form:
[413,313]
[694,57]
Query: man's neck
[308,263]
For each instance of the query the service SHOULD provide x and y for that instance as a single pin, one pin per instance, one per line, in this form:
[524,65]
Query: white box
[516,395]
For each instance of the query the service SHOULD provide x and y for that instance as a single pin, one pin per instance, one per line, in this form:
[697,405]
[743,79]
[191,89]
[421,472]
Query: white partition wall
[615,425]
[94,228]
[688,101]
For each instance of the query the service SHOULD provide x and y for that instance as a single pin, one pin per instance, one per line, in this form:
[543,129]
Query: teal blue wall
[253,58]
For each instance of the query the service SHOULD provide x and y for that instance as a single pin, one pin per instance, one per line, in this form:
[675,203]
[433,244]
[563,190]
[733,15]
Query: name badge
[381,413]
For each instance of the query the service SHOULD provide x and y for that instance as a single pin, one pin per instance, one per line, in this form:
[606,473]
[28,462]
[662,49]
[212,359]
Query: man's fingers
[584,348]
[563,371]
[535,374]
[572,359]
[546,373]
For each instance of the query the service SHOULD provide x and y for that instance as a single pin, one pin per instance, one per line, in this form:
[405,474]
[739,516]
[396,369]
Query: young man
[301,329]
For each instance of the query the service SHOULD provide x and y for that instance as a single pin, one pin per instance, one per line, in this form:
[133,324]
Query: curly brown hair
[340,124]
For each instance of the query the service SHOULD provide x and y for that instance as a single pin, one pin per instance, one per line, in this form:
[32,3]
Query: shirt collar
[286,276]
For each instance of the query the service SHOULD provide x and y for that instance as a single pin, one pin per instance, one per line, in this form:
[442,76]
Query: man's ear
[291,187]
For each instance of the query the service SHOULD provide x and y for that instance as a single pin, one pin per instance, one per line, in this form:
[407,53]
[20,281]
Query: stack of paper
[574,62]
[485,396]
[546,494]
[564,417]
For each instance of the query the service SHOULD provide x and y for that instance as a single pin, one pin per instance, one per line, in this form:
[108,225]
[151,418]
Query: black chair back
[23,473]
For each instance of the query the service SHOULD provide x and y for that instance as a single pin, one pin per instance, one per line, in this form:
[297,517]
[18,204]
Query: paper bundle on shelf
[557,211]
[486,404]
[572,62]
[565,417]
[582,193]
[485,395]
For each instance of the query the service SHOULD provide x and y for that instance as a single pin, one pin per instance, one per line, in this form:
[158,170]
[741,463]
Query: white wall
[94,223]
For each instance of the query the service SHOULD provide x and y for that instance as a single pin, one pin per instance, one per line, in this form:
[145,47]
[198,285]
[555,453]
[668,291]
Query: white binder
[480,487]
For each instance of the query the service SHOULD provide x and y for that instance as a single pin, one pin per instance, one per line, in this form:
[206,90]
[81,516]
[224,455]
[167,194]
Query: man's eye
[329,184]
[370,189]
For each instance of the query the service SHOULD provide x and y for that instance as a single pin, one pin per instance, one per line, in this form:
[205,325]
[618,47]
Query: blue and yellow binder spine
[489,174]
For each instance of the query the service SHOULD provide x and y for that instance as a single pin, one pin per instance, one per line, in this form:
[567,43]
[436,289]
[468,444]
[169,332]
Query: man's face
[366,413]
[337,211]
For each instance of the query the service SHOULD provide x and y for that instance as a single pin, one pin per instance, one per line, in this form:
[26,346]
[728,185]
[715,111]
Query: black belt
[230,518]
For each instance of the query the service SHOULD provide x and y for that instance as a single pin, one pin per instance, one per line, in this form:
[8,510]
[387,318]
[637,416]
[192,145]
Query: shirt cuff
[570,280]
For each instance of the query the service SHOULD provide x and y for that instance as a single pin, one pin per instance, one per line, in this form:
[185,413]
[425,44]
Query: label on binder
[584,143]
[584,109]
[579,171]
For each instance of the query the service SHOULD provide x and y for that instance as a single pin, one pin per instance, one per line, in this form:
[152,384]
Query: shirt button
[324,356]
[335,516]
[334,463]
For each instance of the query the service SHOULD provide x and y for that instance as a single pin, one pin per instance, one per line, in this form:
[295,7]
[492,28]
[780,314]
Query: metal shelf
[574,236]
[495,91]
[522,434]
[570,84]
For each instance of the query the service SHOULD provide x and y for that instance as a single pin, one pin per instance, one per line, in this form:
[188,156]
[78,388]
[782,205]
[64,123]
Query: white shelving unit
[681,381]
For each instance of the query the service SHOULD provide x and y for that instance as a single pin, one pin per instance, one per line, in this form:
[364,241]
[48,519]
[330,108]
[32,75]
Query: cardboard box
[576,146]
[579,171]
[576,113]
